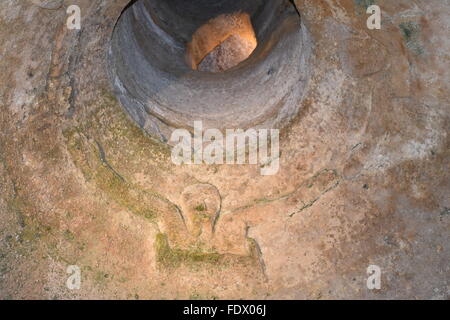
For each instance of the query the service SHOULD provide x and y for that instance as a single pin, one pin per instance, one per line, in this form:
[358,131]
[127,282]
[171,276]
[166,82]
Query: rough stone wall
[219,30]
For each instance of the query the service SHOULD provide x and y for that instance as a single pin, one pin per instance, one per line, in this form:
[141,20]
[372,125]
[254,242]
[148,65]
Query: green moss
[31,230]
[123,280]
[88,158]
[264,201]
[69,236]
[34,233]
[101,278]
[411,34]
[195,296]
[200,208]
[364,3]
[173,258]
[118,154]
[253,247]
[110,118]
[199,296]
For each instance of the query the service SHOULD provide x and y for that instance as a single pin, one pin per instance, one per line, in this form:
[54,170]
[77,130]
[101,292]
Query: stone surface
[48,4]
[153,61]
[227,55]
[364,175]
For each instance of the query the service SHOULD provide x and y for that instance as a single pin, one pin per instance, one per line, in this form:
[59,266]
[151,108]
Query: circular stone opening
[255,53]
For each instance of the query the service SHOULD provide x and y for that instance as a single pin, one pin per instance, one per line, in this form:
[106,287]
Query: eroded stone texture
[227,55]
[363,176]
[233,33]
[48,4]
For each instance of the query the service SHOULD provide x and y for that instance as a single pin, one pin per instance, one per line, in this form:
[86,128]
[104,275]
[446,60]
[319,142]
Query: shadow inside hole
[156,78]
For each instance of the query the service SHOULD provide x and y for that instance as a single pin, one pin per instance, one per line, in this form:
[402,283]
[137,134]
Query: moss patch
[364,3]
[200,208]
[110,123]
[411,34]
[88,157]
[110,149]
[174,258]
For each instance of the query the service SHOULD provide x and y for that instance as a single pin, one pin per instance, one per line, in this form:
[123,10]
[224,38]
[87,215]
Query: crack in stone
[311,203]
[105,161]
[308,183]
